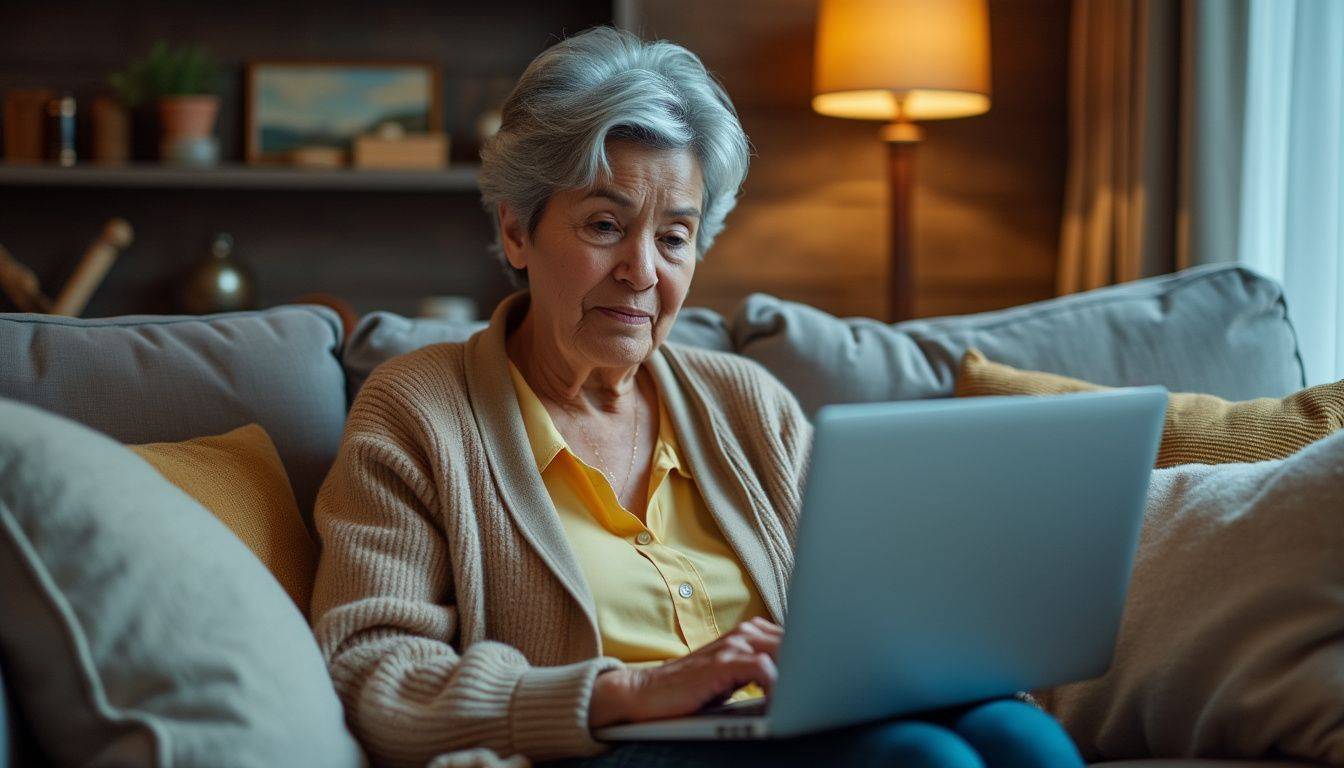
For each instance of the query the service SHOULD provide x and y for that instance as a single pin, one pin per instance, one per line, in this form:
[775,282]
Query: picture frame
[292,103]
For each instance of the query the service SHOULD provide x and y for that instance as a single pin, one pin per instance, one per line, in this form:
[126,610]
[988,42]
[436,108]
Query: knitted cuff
[548,714]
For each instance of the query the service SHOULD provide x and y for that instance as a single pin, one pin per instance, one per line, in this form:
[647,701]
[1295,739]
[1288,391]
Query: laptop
[948,552]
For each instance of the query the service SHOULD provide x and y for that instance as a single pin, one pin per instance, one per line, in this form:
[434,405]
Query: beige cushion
[136,629]
[238,476]
[1200,429]
[1232,640]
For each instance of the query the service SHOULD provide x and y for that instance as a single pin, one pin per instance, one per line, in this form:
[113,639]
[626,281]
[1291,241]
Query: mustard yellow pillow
[238,476]
[1199,429]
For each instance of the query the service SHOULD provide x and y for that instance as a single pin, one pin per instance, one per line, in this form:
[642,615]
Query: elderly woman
[565,522]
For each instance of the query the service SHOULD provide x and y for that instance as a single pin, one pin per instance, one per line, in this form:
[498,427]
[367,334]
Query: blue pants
[1003,733]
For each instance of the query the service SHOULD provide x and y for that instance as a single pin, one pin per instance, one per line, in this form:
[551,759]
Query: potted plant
[184,84]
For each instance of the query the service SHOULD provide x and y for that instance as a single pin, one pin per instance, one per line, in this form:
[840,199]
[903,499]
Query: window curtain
[1266,156]
[1252,112]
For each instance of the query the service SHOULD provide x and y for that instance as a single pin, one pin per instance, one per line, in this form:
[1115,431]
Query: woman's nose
[637,267]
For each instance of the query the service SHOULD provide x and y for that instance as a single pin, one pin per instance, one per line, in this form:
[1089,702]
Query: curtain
[1265,153]
[1257,134]
[1119,218]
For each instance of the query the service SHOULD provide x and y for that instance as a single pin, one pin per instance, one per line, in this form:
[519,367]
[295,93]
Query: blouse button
[643,537]
[685,590]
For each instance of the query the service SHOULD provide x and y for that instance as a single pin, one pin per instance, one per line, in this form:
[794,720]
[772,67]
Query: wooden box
[412,151]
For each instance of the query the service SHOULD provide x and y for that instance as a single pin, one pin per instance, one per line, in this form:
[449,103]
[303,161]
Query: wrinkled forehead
[669,205]
[642,175]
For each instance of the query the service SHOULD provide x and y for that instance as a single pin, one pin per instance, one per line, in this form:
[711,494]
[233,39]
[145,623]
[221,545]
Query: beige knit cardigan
[450,609]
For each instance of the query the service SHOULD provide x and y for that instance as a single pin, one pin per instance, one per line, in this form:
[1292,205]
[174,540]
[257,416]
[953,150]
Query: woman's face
[609,267]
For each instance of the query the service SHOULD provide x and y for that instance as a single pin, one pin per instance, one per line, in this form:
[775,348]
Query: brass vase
[218,282]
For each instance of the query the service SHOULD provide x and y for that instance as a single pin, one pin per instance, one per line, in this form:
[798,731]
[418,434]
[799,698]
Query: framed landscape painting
[293,104]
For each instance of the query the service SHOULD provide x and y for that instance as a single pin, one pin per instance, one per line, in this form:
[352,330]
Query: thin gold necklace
[592,445]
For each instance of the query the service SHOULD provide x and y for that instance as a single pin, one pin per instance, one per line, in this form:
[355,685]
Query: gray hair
[605,84]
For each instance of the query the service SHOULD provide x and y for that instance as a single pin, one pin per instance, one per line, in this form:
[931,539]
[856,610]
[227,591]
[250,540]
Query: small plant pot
[187,116]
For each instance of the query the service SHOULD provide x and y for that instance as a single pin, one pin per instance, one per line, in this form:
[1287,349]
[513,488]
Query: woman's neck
[564,380]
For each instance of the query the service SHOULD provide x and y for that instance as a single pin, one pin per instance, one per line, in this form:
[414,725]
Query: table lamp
[901,61]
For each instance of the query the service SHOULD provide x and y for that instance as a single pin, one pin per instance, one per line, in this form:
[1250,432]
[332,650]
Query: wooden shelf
[461,178]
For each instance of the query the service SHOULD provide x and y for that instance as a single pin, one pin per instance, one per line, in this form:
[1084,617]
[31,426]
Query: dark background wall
[376,249]
[810,227]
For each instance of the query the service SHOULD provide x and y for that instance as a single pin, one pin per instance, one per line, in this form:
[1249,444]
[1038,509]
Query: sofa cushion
[1221,330]
[384,335]
[381,336]
[136,629]
[238,478]
[144,379]
[1199,429]
[1232,639]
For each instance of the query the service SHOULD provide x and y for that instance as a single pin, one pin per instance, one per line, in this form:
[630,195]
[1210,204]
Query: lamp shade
[906,59]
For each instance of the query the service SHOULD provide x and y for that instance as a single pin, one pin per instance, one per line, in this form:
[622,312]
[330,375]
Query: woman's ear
[513,236]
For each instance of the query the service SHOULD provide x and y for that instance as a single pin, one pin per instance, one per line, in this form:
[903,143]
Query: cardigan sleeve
[384,619]
[795,433]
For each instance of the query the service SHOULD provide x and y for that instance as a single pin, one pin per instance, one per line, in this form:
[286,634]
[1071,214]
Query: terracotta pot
[187,116]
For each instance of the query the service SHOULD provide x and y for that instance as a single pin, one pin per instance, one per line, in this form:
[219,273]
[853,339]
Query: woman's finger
[760,640]
[767,625]
[760,625]
[740,643]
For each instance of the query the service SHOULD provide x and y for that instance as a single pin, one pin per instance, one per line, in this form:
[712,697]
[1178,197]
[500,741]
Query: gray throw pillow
[1220,330]
[168,378]
[1232,640]
[136,629]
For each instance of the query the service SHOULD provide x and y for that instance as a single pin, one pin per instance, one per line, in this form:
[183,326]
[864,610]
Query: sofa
[1222,330]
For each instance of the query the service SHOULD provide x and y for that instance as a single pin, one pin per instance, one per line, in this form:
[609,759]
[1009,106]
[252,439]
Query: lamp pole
[901,137]
[900,61]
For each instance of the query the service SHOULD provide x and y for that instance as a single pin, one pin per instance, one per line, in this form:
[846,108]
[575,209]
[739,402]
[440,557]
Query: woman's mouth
[627,315]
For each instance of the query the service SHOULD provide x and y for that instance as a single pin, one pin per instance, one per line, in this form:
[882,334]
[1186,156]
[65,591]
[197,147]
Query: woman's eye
[675,242]
[604,226]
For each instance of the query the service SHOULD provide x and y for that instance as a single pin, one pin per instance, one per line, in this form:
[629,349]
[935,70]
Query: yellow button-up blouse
[661,588]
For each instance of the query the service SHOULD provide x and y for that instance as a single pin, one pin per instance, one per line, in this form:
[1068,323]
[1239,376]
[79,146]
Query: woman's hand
[680,687]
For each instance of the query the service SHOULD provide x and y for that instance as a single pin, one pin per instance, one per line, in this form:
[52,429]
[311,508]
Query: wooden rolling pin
[116,236]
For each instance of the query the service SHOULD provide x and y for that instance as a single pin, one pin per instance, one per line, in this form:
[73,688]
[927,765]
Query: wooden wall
[811,225]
